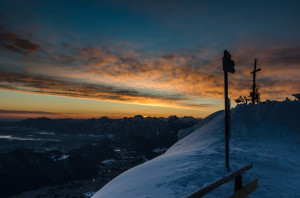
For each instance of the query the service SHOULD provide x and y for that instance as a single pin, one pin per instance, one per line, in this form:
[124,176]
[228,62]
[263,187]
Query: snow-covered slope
[184,132]
[266,135]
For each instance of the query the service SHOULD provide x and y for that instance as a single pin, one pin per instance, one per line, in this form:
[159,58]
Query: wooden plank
[212,186]
[247,190]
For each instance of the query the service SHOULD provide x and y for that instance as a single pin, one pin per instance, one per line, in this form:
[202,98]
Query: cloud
[168,78]
[12,42]
[133,76]
[49,85]
[174,72]
[23,114]
[279,77]
[26,112]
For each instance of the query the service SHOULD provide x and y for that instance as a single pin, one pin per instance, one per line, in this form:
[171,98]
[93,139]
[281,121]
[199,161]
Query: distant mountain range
[136,126]
[93,148]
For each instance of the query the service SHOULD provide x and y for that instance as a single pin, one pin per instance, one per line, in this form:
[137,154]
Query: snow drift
[266,135]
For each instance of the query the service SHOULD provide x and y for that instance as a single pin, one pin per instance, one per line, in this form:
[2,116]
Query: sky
[82,59]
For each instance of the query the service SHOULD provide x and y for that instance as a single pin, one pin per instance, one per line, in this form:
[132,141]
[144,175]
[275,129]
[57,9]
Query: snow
[159,150]
[45,133]
[184,132]
[63,157]
[88,194]
[108,161]
[266,135]
[18,138]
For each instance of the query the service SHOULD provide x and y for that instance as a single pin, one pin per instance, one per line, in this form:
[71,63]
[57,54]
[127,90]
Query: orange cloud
[176,80]
[173,73]
[280,74]
[18,114]
[51,86]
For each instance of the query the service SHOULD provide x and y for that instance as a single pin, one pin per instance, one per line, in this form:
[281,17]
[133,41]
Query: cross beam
[255,71]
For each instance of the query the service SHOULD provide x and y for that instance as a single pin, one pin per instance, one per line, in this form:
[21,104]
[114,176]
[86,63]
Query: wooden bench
[239,190]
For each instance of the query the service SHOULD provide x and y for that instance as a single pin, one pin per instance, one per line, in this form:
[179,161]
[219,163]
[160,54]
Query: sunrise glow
[124,59]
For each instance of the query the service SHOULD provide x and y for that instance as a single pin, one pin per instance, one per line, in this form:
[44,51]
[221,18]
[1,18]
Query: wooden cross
[254,84]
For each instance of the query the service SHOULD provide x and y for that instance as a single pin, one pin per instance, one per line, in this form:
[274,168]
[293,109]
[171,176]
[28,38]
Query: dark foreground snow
[266,135]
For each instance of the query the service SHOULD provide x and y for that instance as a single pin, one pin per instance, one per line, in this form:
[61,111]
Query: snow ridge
[266,135]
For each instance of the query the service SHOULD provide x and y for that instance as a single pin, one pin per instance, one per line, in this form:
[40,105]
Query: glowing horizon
[29,107]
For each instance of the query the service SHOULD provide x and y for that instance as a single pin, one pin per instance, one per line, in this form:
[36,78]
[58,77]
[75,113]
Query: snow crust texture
[265,135]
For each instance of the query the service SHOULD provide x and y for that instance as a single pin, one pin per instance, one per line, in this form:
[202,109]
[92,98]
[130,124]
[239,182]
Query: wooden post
[238,183]
[227,120]
[245,191]
[228,66]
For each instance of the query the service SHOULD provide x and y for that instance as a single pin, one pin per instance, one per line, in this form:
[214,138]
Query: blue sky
[165,54]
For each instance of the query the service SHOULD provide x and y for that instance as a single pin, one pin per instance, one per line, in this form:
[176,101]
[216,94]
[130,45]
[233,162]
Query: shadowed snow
[266,135]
